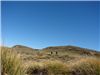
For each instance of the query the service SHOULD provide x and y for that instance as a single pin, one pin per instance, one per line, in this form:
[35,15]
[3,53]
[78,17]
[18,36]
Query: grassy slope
[69,60]
[64,53]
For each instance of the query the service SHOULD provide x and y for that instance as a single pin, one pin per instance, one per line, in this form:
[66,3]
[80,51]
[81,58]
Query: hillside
[58,60]
[24,49]
[26,53]
[62,53]
[72,49]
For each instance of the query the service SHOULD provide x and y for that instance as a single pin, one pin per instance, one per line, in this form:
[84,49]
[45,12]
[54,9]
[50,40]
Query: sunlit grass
[47,68]
[86,66]
[11,63]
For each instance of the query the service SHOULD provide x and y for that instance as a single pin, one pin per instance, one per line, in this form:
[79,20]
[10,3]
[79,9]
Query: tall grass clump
[36,68]
[56,68]
[86,66]
[11,63]
[47,68]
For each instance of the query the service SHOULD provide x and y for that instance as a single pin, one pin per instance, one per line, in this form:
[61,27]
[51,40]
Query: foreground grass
[11,63]
[84,66]
[47,68]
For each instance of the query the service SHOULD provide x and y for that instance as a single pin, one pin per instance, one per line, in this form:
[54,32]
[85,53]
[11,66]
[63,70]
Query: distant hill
[63,52]
[24,49]
[73,49]
[63,49]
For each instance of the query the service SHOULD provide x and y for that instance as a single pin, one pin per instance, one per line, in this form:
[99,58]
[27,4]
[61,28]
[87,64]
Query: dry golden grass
[11,63]
[47,68]
[56,67]
[86,66]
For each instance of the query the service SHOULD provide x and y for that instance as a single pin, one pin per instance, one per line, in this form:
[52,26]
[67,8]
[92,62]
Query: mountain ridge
[69,48]
[21,46]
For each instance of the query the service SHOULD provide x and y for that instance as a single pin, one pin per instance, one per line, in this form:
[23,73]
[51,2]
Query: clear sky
[52,23]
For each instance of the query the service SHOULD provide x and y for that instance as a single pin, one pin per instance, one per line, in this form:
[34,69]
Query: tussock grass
[86,66]
[11,63]
[47,68]
[36,68]
[56,68]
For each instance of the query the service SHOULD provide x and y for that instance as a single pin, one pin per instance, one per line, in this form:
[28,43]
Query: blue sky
[51,23]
